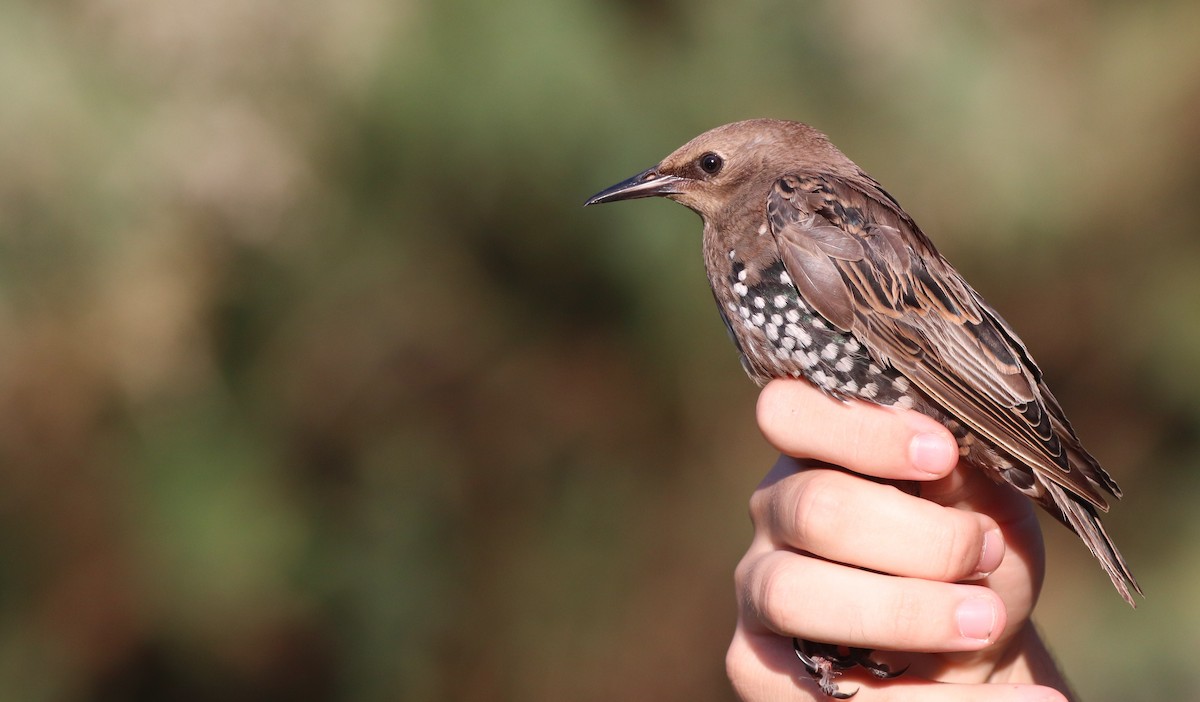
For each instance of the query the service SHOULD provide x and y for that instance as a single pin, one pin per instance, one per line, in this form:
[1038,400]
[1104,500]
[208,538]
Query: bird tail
[1084,521]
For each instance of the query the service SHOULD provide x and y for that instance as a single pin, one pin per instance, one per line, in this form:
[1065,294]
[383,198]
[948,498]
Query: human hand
[950,577]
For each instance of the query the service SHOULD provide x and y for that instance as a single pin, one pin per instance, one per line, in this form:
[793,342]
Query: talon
[861,656]
[809,664]
[824,662]
[824,667]
[882,672]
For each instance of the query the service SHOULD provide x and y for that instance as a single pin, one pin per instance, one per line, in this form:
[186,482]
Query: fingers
[800,420]
[797,595]
[843,559]
[843,518]
[762,668]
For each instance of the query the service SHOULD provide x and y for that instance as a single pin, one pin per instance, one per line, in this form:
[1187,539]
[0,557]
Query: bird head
[710,172]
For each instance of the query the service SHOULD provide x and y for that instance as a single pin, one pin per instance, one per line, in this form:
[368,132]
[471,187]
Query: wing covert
[863,264]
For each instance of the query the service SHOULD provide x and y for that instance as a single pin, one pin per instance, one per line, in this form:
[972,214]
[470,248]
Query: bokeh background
[317,383]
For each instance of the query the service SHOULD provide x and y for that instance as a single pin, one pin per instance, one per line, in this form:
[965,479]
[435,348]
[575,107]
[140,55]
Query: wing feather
[863,264]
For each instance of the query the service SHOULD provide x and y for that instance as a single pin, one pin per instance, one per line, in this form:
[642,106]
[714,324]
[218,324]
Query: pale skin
[956,571]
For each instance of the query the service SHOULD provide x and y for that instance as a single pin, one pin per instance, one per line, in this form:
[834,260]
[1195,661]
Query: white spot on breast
[758,318]
[788,343]
[742,274]
[820,378]
[780,301]
[773,332]
[782,354]
[819,323]
[901,384]
[852,345]
[869,390]
[873,369]
[760,302]
[744,311]
[740,289]
[904,402]
[777,319]
[851,386]
[785,278]
[844,365]
[731,307]
[792,316]
[830,351]
[762,229]
[731,254]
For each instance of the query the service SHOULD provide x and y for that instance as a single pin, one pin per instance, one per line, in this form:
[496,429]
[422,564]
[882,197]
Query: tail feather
[1085,522]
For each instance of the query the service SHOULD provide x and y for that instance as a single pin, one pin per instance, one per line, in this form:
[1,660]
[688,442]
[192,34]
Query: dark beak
[648,183]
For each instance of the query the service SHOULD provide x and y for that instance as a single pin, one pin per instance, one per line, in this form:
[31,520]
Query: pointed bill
[648,183]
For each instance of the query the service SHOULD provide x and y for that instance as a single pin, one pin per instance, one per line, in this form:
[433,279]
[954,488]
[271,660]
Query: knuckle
[742,575]
[818,504]
[738,663]
[784,407]
[767,592]
[762,503]
[957,550]
[768,411]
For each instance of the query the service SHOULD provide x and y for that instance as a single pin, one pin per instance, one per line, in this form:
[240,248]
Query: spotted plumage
[791,339]
[819,273]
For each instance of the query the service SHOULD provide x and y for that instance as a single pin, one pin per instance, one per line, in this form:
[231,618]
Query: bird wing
[864,265]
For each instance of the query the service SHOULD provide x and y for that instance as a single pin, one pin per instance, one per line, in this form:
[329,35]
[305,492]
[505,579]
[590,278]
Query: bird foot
[824,662]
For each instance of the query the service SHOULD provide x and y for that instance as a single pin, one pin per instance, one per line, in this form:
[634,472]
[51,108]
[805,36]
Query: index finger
[894,444]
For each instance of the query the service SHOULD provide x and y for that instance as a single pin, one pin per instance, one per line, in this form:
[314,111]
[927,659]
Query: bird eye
[710,163]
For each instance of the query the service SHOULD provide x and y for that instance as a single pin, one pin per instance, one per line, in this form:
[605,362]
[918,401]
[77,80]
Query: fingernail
[992,554]
[976,618]
[932,453]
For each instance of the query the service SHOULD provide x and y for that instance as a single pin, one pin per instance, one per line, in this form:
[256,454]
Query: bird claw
[824,662]
[823,667]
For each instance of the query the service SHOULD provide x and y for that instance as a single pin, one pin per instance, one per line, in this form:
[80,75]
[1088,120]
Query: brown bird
[818,273]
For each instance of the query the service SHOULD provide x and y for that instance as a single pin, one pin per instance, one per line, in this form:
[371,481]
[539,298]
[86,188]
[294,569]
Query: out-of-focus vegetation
[316,382]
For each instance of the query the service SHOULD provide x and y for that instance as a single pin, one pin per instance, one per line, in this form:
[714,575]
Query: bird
[819,273]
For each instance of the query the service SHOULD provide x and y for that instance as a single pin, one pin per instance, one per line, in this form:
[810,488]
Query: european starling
[819,273]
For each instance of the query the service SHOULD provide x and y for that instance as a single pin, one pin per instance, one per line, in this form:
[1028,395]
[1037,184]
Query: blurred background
[317,383]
